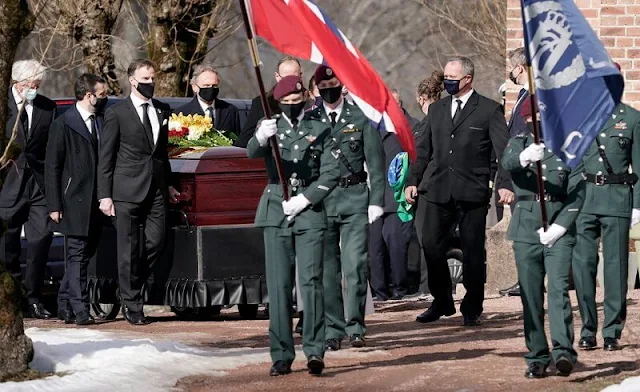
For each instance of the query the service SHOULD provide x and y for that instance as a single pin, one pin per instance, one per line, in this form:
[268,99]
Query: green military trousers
[282,246]
[614,232]
[349,256]
[533,261]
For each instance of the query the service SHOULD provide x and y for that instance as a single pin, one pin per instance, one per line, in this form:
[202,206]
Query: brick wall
[617,23]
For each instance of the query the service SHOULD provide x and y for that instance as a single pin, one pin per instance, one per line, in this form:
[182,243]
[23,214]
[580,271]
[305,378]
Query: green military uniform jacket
[560,182]
[620,138]
[306,157]
[358,142]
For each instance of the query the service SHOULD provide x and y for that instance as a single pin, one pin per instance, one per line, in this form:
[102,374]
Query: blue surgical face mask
[452,86]
[29,93]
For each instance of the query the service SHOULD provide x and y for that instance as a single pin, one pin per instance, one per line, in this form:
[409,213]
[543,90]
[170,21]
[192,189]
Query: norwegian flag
[300,28]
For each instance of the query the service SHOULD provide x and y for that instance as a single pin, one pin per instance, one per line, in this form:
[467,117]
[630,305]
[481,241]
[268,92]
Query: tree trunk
[16,349]
[90,23]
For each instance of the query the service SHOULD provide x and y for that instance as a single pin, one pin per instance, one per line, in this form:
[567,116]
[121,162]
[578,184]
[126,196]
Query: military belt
[550,198]
[303,182]
[606,179]
[352,179]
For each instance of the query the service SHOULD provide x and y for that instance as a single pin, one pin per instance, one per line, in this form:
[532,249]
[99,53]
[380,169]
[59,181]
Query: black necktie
[210,112]
[94,132]
[146,122]
[333,116]
[24,119]
[294,122]
[456,116]
[522,92]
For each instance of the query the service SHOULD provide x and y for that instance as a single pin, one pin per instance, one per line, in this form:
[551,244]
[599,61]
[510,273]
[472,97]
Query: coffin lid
[216,160]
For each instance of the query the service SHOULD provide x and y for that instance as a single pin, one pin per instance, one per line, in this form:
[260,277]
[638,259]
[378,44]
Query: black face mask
[512,77]
[146,89]
[331,94]
[101,103]
[209,94]
[292,110]
[452,86]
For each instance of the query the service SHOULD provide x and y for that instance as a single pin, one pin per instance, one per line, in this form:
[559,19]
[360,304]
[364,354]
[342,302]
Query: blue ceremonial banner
[576,82]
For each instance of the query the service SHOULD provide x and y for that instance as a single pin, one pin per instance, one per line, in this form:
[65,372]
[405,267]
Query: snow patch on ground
[631,384]
[98,361]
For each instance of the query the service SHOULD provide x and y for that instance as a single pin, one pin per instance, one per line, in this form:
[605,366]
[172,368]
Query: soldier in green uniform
[538,251]
[295,228]
[612,205]
[350,209]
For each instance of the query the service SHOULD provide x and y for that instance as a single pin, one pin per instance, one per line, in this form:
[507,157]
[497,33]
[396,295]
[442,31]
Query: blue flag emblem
[577,83]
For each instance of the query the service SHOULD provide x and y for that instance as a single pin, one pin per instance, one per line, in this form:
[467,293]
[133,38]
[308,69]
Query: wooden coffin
[219,186]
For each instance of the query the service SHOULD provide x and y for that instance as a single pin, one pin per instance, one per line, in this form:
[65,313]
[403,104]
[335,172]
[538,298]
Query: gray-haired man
[22,199]
[206,85]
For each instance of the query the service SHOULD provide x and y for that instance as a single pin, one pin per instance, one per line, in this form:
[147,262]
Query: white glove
[266,129]
[531,154]
[375,212]
[553,234]
[635,216]
[293,206]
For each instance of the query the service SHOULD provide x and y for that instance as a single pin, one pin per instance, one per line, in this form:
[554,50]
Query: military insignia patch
[314,155]
[562,175]
[329,72]
[298,86]
[353,146]
[621,125]
[623,142]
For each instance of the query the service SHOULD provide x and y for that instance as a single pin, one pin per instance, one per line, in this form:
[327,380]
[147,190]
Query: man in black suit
[134,183]
[460,134]
[22,200]
[286,66]
[516,66]
[70,177]
[206,86]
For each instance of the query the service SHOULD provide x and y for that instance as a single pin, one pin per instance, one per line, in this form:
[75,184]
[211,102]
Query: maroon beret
[525,109]
[617,66]
[288,85]
[323,73]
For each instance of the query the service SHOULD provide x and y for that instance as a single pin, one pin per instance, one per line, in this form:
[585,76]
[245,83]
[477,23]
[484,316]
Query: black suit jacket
[461,154]
[128,158]
[227,116]
[256,113]
[517,124]
[32,150]
[70,172]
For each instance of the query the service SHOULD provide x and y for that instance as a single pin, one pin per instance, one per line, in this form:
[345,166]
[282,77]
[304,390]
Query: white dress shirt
[19,101]
[86,117]
[153,116]
[206,106]
[337,110]
[300,117]
[464,99]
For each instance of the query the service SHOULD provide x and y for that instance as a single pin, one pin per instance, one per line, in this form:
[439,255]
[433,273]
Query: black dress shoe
[356,341]
[280,368]
[298,328]
[564,366]
[587,343]
[433,314]
[315,364]
[67,316]
[513,291]
[536,370]
[471,321]
[397,297]
[134,318]
[332,345]
[38,311]
[611,344]
[84,318]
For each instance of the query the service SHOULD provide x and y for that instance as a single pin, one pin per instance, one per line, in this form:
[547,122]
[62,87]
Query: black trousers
[419,219]
[31,211]
[389,239]
[80,249]
[438,228]
[141,230]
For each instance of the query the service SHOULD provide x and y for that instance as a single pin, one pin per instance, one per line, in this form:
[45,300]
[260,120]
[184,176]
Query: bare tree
[82,30]
[482,22]
[16,349]
[179,34]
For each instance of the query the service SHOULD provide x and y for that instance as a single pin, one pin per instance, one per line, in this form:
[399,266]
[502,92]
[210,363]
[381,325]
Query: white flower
[174,125]
[196,132]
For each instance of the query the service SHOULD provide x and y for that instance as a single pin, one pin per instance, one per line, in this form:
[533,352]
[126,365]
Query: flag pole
[253,50]
[536,129]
